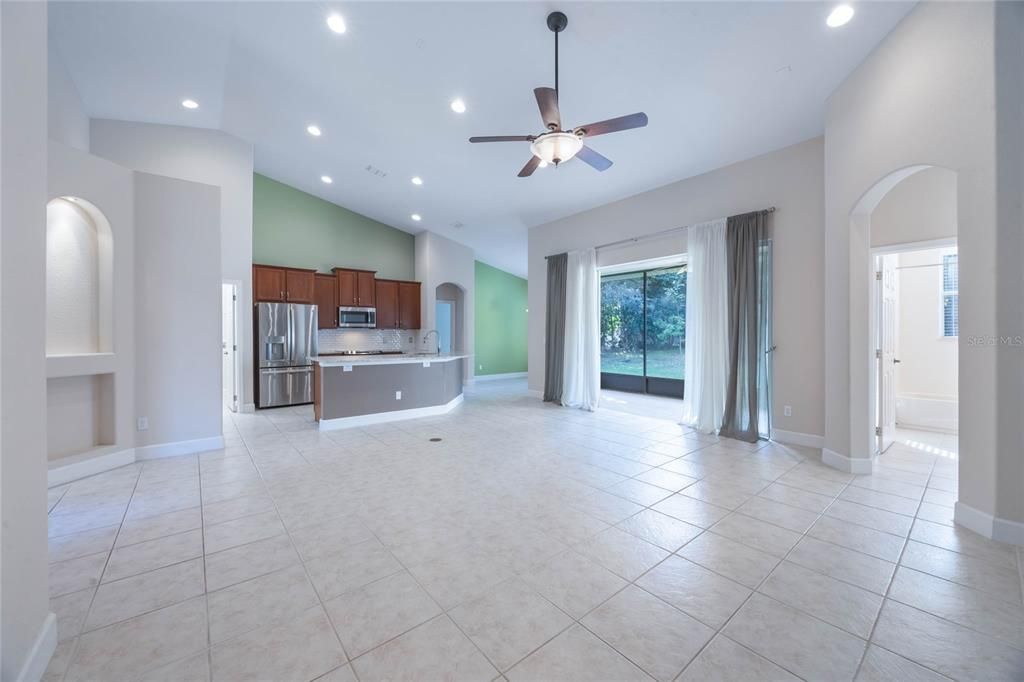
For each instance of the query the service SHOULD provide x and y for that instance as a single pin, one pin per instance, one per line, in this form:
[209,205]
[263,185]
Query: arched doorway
[449,307]
[891,217]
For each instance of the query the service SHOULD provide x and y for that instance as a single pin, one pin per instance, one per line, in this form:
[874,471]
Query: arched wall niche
[79,278]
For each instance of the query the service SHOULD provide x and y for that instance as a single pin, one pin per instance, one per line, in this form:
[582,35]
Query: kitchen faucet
[434,332]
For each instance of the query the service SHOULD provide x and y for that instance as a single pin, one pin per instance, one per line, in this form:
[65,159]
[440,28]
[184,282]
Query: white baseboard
[88,465]
[248,408]
[535,393]
[181,447]
[498,377]
[851,465]
[384,417]
[992,527]
[809,440]
[42,650]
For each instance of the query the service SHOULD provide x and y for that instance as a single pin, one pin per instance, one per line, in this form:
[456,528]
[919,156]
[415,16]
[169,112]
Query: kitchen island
[360,390]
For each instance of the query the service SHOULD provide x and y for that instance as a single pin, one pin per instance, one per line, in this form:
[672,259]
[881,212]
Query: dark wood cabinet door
[409,305]
[299,287]
[326,300]
[366,289]
[268,284]
[347,287]
[387,304]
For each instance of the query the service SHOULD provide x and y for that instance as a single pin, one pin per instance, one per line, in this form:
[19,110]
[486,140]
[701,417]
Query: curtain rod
[770,209]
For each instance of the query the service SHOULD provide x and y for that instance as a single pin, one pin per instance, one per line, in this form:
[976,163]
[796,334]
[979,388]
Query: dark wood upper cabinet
[387,304]
[299,287]
[366,286]
[409,305]
[268,284]
[347,287]
[355,287]
[326,299]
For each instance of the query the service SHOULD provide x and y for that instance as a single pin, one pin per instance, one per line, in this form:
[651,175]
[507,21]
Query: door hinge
[233,297]
[878,430]
[234,347]
[878,275]
[878,352]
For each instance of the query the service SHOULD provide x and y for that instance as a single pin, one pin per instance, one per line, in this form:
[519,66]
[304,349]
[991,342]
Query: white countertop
[403,359]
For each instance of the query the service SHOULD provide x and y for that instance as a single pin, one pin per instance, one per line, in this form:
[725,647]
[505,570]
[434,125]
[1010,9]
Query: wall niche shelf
[79,364]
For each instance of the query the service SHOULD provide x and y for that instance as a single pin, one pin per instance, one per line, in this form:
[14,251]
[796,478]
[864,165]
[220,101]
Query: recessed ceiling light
[416,216]
[417,180]
[336,23]
[840,16]
[326,179]
[313,130]
[190,104]
[458,106]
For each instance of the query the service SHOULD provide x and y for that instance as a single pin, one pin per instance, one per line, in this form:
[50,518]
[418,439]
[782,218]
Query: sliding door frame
[669,388]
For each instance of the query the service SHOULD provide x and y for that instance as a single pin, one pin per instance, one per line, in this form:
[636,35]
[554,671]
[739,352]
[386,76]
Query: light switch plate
[398,395]
[142,423]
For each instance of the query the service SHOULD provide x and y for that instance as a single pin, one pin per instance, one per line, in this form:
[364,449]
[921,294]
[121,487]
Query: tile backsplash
[335,340]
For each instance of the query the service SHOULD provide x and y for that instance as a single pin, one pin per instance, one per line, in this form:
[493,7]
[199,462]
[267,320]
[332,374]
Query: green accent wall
[499,321]
[296,229]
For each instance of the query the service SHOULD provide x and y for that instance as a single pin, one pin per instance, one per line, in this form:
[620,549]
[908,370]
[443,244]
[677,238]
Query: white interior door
[229,345]
[888,295]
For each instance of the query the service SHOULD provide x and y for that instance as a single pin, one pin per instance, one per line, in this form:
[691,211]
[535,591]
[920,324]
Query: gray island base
[350,392]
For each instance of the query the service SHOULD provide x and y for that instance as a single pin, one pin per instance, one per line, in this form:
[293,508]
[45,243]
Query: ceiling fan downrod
[557,21]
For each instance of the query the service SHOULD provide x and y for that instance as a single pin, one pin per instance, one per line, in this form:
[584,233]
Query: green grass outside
[666,364]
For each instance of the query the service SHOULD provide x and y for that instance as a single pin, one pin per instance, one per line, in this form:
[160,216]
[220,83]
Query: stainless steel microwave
[357,317]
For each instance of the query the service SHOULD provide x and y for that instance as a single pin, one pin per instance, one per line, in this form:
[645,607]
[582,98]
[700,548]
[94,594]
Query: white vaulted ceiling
[721,82]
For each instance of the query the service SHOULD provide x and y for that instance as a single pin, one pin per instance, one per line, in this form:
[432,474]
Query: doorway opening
[445,325]
[643,330]
[230,357]
[916,314]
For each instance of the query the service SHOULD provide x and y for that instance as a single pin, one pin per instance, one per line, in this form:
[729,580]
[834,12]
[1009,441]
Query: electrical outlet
[398,395]
[142,423]
[788,410]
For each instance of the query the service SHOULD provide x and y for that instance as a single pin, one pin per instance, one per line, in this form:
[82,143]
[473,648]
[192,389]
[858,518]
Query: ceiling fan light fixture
[556,148]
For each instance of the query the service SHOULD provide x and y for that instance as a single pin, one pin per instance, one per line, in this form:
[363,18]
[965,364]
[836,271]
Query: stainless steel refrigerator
[285,348]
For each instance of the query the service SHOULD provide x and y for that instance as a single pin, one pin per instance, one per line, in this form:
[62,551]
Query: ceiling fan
[557,145]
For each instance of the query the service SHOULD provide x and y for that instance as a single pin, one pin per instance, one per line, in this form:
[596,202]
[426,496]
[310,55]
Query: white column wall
[27,630]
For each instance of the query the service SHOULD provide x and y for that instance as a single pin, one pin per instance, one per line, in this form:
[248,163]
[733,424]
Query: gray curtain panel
[744,237]
[554,330]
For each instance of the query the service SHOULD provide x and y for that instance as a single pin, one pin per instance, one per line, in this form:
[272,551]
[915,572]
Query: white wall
[212,158]
[27,630]
[921,208]
[928,360]
[177,309]
[439,261]
[927,95]
[67,121]
[789,179]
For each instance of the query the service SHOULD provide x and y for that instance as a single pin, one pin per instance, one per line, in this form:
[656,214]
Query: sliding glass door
[643,329]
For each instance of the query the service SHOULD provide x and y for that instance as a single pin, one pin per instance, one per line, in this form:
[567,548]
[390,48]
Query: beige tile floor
[532,542]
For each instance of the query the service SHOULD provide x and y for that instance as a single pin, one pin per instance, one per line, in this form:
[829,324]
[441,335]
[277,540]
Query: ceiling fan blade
[530,166]
[503,138]
[593,159]
[614,125]
[547,100]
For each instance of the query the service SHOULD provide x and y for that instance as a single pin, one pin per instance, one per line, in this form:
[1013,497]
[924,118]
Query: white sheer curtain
[707,326]
[582,367]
